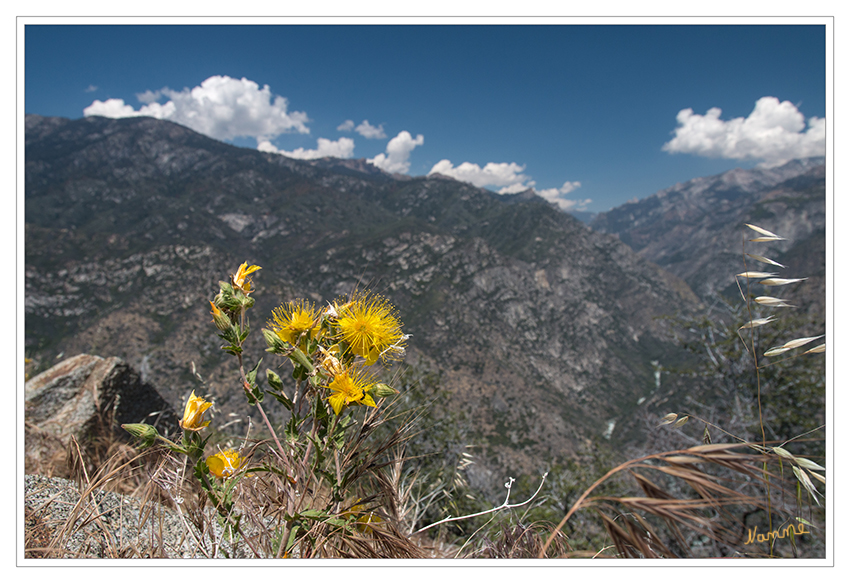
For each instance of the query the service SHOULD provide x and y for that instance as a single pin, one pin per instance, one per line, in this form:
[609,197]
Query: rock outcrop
[86,397]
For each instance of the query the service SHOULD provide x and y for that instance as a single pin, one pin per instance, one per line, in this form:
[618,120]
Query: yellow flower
[241,280]
[293,319]
[363,517]
[193,414]
[352,386]
[225,463]
[370,327]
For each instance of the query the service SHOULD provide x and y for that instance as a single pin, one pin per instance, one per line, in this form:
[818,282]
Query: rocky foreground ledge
[65,521]
[77,402]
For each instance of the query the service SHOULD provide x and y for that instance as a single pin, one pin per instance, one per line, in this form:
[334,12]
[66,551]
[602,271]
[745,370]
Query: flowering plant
[326,475]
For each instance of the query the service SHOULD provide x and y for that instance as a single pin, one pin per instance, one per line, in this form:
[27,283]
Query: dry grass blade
[519,541]
[726,489]
[629,543]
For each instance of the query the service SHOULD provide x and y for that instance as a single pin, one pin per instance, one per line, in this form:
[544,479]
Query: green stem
[261,410]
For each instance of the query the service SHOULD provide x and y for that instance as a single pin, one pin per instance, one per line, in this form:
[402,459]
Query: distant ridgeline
[694,229]
[539,335]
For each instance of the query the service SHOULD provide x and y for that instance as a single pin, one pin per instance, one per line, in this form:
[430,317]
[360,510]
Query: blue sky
[588,116]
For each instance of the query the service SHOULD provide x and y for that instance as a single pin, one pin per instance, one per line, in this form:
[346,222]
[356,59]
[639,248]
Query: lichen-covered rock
[86,397]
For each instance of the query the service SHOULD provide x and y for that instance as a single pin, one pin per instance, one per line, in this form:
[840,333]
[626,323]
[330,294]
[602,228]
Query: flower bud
[274,380]
[221,321]
[276,345]
[193,414]
[143,431]
[382,390]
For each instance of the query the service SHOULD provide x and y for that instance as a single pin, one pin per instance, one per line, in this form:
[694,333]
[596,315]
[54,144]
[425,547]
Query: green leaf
[283,399]
[274,380]
[244,334]
[200,470]
[252,374]
[300,359]
[292,534]
[290,432]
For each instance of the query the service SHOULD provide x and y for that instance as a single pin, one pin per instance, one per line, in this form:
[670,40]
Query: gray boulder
[88,398]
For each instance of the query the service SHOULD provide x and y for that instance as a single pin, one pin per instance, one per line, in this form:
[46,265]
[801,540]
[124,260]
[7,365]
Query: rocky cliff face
[694,229]
[542,332]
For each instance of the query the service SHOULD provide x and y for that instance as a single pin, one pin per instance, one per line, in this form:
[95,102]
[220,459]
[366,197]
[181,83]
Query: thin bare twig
[504,505]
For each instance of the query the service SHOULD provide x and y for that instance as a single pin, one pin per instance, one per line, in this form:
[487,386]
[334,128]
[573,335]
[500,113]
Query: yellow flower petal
[241,279]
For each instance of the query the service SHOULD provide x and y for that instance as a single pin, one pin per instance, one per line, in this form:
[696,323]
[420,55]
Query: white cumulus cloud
[505,175]
[396,160]
[221,107]
[365,129]
[90,89]
[774,132]
[370,132]
[556,195]
[148,96]
[508,177]
[341,148]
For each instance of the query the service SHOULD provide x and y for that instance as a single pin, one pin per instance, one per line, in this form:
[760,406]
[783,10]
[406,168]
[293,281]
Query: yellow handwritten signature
[754,536]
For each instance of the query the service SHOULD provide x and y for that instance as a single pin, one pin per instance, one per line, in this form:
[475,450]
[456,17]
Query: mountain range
[695,229]
[539,334]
